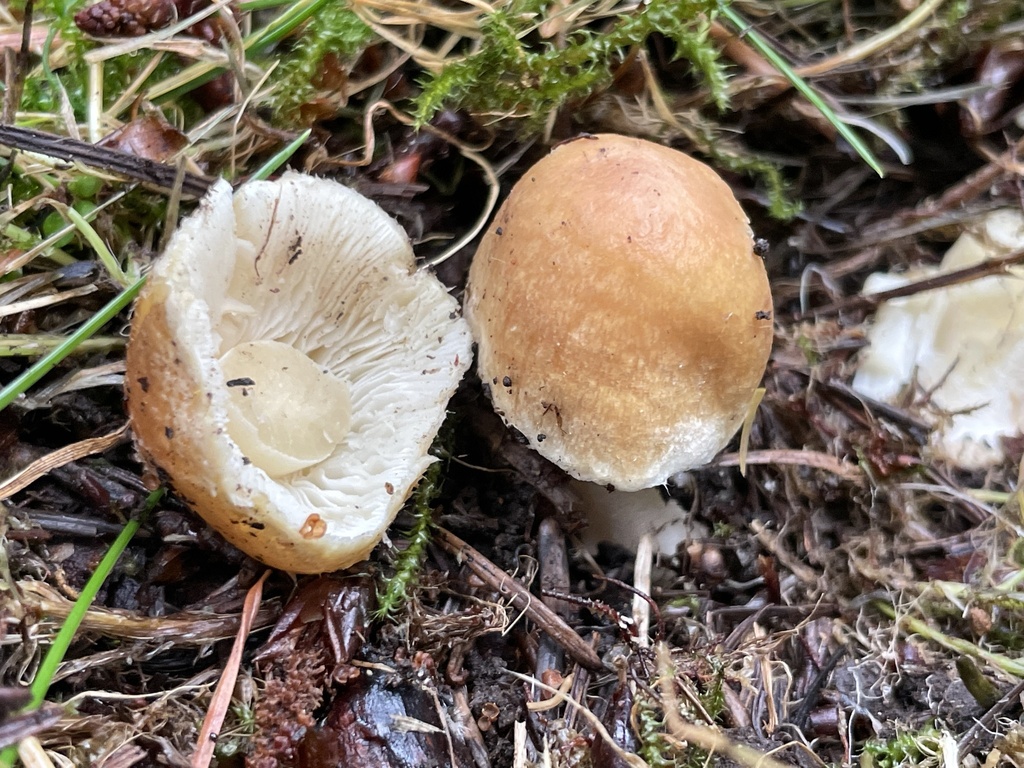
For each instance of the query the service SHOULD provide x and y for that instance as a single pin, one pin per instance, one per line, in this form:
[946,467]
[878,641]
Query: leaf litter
[848,599]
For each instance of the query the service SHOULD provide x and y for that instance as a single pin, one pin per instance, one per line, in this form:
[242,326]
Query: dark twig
[521,598]
[19,727]
[917,428]
[16,75]
[803,712]
[971,187]
[111,160]
[554,578]
[872,300]
[987,723]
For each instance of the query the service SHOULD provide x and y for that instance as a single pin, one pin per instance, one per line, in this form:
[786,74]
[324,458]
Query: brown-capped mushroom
[288,369]
[622,316]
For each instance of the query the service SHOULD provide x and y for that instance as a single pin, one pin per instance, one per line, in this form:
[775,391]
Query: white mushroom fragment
[963,345]
[622,316]
[288,369]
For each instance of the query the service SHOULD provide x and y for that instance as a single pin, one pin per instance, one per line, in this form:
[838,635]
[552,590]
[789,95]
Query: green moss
[906,748]
[43,94]
[333,32]
[395,591]
[514,72]
[810,349]
[776,189]
[655,748]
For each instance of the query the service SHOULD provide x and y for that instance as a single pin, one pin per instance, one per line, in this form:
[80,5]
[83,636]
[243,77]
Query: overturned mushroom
[288,369]
[623,318]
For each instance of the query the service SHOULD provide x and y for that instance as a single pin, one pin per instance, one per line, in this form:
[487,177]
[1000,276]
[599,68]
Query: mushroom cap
[622,318]
[310,264]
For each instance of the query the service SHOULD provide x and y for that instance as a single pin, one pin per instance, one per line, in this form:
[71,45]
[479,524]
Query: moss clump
[332,39]
[43,94]
[409,561]
[776,189]
[906,748]
[656,748]
[515,73]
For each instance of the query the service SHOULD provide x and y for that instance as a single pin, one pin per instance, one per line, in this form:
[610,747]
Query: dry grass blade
[875,44]
[60,458]
[40,302]
[32,754]
[184,628]
[221,701]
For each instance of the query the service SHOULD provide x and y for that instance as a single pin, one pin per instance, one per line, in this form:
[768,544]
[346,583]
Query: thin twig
[110,160]
[945,280]
[521,599]
[987,723]
[814,459]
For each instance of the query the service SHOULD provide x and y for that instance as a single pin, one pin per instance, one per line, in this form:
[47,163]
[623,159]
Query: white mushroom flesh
[955,354]
[279,432]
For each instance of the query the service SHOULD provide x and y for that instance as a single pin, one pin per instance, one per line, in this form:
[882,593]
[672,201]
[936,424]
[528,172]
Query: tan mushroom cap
[622,317]
[288,368]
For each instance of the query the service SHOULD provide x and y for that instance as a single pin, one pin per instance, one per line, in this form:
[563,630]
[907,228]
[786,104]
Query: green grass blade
[102,251]
[281,157]
[284,25]
[61,643]
[89,328]
[37,344]
[802,87]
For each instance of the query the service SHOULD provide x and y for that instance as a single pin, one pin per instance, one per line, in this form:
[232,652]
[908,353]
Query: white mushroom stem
[285,412]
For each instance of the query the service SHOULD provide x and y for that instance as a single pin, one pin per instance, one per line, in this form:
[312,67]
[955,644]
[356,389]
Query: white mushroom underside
[363,313]
[963,345]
